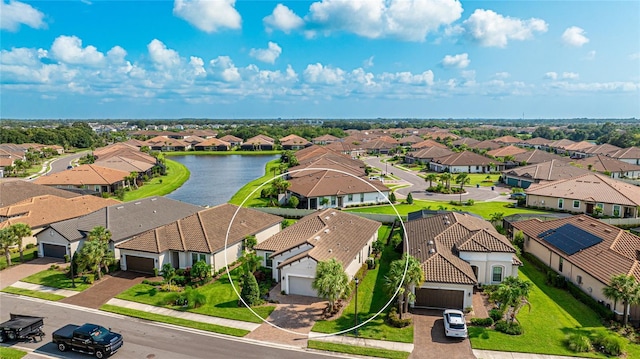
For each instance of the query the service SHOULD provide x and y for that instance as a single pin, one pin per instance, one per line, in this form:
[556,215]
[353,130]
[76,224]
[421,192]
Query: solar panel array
[569,238]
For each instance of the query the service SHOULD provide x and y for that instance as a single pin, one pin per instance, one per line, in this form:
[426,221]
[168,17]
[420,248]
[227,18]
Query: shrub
[512,328]
[66,258]
[579,343]
[179,280]
[152,282]
[394,319]
[470,202]
[250,290]
[608,343]
[482,322]
[30,245]
[409,198]
[495,314]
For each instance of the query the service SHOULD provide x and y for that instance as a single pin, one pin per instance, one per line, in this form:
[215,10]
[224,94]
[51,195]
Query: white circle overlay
[226,264]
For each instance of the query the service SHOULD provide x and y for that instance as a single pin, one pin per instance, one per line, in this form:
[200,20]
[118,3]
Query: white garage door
[301,286]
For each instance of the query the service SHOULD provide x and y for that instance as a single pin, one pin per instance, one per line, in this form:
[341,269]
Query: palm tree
[95,253]
[397,278]
[7,240]
[331,282]
[625,288]
[512,294]
[21,230]
[462,179]
[431,177]
[446,179]
[497,217]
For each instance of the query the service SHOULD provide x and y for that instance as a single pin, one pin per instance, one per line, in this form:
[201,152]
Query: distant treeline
[71,135]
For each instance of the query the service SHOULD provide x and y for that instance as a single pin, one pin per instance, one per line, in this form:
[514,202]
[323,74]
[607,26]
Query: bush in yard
[495,314]
[30,245]
[608,343]
[200,272]
[512,328]
[579,343]
[394,319]
[482,322]
[250,292]
[179,280]
[409,198]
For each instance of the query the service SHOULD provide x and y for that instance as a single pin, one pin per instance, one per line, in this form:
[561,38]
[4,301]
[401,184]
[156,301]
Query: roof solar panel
[569,238]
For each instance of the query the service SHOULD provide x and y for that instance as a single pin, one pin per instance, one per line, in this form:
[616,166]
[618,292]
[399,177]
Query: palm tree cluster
[623,288]
[95,255]
[404,274]
[12,236]
[512,294]
[331,282]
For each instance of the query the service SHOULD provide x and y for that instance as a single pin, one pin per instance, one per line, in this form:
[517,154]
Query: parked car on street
[518,195]
[89,339]
[454,323]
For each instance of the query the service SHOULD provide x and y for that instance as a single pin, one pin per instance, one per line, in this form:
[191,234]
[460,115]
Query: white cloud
[635,56]
[69,49]
[224,68]
[502,75]
[116,54]
[491,29]
[22,56]
[208,15]
[197,66]
[574,36]
[15,13]
[409,20]
[551,75]
[317,73]
[570,75]
[425,78]
[368,62]
[360,76]
[459,61]
[268,55]
[283,19]
[161,56]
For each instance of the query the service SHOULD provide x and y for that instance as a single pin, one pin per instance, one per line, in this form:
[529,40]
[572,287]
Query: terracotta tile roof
[193,140]
[510,150]
[561,143]
[345,146]
[124,164]
[538,156]
[538,141]
[122,150]
[312,152]
[204,231]
[165,141]
[331,183]
[507,139]
[15,191]
[326,162]
[200,133]
[260,140]
[413,139]
[427,143]
[601,163]
[231,138]
[465,158]
[326,138]
[592,187]
[442,134]
[578,146]
[602,149]
[84,175]
[213,142]
[547,171]
[430,152]
[436,241]
[295,235]
[465,141]
[134,142]
[616,254]
[294,140]
[43,210]
[627,153]
[486,145]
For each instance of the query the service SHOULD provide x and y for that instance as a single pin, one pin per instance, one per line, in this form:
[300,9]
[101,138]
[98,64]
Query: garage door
[439,298]
[140,264]
[301,286]
[53,250]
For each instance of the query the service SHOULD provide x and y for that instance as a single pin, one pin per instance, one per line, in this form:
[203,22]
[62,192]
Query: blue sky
[319,59]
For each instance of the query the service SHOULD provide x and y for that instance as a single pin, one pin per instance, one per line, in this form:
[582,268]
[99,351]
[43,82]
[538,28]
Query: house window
[350,197]
[560,203]
[576,204]
[333,200]
[616,211]
[196,257]
[267,260]
[601,206]
[579,279]
[496,276]
[560,265]
[361,197]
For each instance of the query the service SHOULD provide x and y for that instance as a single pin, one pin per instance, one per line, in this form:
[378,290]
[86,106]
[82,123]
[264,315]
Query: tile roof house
[212,144]
[233,140]
[324,139]
[164,143]
[536,142]
[465,162]
[603,149]
[14,191]
[543,172]
[609,166]
[629,155]
[426,144]
[507,140]
[294,253]
[348,146]
[426,154]
[465,141]
[259,142]
[586,251]
[537,156]
[98,178]
[294,142]
[503,152]
[126,164]
[585,193]
[383,145]
[200,236]
[123,150]
[486,145]
[411,140]
[457,251]
[124,221]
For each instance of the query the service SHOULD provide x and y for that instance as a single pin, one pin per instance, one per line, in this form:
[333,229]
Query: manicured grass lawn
[56,279]
[33,293]
[28,254]
[245,191]
[177,174]
[222,301]
[555,314]
[222,153]
[484,209]
[350,349]
[371,298]
[176,321]
[10,353]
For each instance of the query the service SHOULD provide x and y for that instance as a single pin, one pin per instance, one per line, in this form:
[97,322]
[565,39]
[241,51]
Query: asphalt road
[61,164]
[143,339]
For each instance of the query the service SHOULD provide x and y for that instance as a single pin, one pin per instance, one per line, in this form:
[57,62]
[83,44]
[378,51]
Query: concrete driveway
[429,339]
[16,273]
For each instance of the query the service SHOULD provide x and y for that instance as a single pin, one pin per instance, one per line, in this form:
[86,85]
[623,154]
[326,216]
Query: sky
[228,59]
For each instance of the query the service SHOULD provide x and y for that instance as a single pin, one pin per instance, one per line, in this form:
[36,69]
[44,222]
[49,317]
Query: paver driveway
[16,273]
[429,339]
[108,287]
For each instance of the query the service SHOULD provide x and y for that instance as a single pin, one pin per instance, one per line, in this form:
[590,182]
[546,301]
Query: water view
[215,179]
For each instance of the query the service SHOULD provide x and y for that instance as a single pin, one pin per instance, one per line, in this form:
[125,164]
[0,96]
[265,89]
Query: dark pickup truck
[88,338]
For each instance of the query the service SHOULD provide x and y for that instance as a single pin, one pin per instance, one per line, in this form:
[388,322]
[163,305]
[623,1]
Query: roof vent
[607,230]
[333,213]
[137,203]
[430,243]
[153,199]
[326,230]
[419,250]
[330,250]
[581,219]
[154,211]
[593,224]
[432,251]
[446,223]
[120,207]
[316,238]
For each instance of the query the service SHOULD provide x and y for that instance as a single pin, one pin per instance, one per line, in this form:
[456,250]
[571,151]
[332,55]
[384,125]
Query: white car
[454,323]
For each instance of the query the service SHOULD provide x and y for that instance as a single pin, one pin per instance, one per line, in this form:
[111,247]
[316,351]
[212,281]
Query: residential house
[213,144]
[536,142]
[610,166]
[486,145]
[426,144]
[465,162]
[208,235]
[629,155]
[294,142]
[14,191]
[382,145]
[508,151]
[544,172]
[585,193]
[586,252]
[294,253]
[193,140]
[94,177]
[603,149]
[348,146]
[232,140]
[537,156]
[425,155]
[411,140]
[324,139]
[507,140]
[123,220]
[257,143]
[457,251]
[465,141]
[126,164]
[165,143]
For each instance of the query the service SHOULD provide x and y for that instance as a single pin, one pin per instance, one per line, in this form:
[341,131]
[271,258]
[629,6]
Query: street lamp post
[356,311]
[73,280]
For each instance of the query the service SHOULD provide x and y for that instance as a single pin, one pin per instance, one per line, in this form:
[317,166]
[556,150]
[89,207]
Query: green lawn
[28,254]
[33,293]
[177,174]
[222,301]
[245,191]
[176,321]
[10,353]
[554,315]
[371,298]
[56,279]
[484,209]
[222,153]
[476,178]
[355,350]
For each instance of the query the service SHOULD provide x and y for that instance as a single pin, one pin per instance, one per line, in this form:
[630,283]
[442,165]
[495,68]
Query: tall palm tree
[7,240]
[331,282]
[394,280]
[462,179]
[513,293]
[21,230]
[625,288]
[446,179]
[431,177]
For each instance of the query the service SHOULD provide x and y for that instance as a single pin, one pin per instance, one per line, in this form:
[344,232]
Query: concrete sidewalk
[492,354]
[45,289]
[361,342]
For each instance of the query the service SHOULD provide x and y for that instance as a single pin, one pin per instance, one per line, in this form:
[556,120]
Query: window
[560,263]
[601,206]
[579,279]
[496,274]
[268,261]
[350,197]
[333,200]
[361,197]
[576,204]
[616,211]
[560,203]
[196,257]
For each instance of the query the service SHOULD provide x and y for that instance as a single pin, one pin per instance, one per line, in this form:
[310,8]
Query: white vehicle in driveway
[454,324]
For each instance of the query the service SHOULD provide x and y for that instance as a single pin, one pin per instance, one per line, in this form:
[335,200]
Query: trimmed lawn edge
[10,353]
[55,279]
[33,293]
[178,175]
[351,349]
[175,321]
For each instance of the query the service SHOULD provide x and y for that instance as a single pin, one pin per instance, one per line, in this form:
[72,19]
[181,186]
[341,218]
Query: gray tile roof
[14,191]
[547,171]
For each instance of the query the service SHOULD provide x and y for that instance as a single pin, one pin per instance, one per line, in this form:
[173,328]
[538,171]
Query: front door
[175,259]
[590,208]
[340,201]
